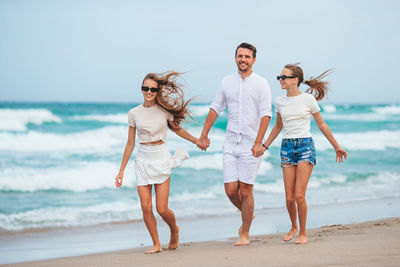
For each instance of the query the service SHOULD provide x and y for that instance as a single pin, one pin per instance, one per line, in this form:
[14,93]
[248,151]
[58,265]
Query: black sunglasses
[283,77]
[152,89]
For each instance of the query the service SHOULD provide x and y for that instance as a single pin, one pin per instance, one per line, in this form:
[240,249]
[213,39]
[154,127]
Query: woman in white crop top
[163,107]
[294,111]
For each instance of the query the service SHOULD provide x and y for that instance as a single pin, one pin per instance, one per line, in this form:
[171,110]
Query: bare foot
[155,249]
[243,240]
[240,228]
[290,234]
[302,239]
[174,242]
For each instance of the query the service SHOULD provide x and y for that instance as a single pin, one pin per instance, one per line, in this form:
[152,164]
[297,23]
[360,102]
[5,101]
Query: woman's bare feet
[243,240]
[290,234]
[302,239]
[174,242]
[155,249]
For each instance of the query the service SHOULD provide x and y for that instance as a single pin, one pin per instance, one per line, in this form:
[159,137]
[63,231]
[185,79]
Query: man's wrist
[266,148]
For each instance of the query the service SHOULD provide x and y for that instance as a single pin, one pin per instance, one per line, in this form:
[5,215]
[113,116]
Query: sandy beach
[373,243]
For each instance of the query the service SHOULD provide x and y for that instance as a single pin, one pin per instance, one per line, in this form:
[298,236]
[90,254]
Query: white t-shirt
[296,114]
[248,101]
[151,123]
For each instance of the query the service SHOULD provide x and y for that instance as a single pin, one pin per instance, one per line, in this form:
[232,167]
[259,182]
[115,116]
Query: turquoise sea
[58,162]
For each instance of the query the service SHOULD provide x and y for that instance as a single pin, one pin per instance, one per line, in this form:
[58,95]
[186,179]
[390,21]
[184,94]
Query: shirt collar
[247,78]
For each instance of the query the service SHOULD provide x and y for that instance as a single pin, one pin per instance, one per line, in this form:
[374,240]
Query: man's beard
[243,70]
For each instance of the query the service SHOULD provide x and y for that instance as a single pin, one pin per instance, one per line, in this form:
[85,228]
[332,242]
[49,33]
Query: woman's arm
[340,152]
[275,131]
[183,133]
[130,145]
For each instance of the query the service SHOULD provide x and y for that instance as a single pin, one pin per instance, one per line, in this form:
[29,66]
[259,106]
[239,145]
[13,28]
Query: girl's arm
[340,152]
[130,145]
[275,131]
[183,133]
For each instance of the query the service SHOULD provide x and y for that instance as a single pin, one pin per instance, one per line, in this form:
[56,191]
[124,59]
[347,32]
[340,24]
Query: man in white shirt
[248,97]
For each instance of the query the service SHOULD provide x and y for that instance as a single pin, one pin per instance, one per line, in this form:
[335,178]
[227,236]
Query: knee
[231,193]
[245,193]
[300,198]
[290,199]
[162,211]
[146,207]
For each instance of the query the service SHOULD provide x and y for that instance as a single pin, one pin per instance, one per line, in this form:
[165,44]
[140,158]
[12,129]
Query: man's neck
[245,74]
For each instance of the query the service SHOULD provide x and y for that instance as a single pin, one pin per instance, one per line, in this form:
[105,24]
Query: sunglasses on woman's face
[283,77]
[152,89]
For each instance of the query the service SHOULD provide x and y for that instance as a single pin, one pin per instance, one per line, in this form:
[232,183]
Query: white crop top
[296,114]
[151,123]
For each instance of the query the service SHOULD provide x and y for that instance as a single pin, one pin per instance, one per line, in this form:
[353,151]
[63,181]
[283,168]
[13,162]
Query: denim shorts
[295,150]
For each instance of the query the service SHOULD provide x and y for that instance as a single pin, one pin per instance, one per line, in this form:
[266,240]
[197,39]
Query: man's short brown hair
[247,46]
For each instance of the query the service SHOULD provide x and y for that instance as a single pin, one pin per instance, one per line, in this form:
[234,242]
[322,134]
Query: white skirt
[154,163]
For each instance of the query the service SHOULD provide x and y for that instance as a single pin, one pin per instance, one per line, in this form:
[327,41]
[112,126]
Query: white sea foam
[371,140]
[83,177]
[391,110]
[376,185]
[115,118]
[208,201]
[71,216]
[214,161]
[17,119]
[98,140]
[200,111]
[210,193]
[329,108]
[369,117]
[112,139]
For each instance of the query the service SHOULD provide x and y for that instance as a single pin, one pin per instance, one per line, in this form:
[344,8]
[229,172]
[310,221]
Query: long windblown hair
[170,96]
[318,87]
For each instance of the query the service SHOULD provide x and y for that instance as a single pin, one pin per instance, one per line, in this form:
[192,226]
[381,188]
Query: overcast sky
[91,51]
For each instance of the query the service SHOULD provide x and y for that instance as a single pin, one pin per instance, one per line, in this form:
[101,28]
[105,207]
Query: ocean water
[58,162]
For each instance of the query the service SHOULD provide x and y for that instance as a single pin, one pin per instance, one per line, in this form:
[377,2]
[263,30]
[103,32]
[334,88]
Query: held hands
[340,153]
[203,143]
[118,179]
[258,150]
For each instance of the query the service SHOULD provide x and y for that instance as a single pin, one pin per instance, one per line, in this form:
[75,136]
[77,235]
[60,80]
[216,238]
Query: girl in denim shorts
[298,156]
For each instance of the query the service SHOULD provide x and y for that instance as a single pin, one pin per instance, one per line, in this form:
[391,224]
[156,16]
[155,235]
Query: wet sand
[373,243]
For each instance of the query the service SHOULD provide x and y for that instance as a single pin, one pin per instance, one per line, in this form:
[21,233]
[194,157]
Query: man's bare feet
[302,239]
[174,242]
[243,240]
[155,249]
[240,228]
[290,234]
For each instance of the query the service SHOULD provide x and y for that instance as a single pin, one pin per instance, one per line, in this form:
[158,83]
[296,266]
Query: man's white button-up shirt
[248,101]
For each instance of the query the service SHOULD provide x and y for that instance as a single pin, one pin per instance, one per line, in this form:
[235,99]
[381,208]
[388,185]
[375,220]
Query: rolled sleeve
[313,104]
[264,105]
[219,102]
[131,119]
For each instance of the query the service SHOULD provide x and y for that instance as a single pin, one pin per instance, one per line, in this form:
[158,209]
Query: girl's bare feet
[302,239]
[155,249]
[290,234]
[243,240]
[174,242]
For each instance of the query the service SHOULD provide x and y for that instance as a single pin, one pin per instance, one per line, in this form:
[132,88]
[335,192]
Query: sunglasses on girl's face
[152,89]
[283,77]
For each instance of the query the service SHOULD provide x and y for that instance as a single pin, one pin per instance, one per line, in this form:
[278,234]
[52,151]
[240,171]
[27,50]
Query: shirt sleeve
[131,119]
[264,104]
[276,106]
[219,102]
[313,104]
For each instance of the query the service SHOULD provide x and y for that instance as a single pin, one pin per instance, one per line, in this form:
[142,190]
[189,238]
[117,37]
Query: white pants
[154,163]
[239,162]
